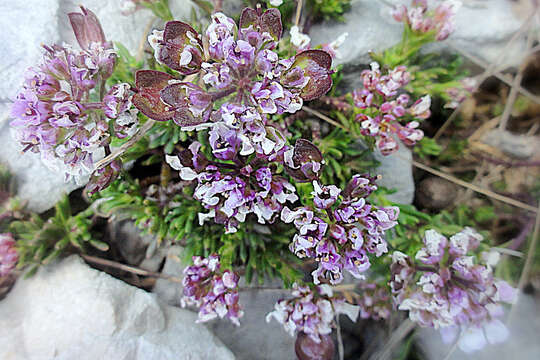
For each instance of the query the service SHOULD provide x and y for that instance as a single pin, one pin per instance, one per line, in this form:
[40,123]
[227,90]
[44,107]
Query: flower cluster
[214,291]
[239,66]
[420,19]
[245,76]
[53,113]
[382,108]
[374,301]
[454,289]
[8,254]
[340,229]
[311,312]
[459,93]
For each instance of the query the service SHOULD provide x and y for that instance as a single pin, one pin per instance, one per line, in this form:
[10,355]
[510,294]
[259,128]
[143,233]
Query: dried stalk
[128,268]
[450,178]
[123,148]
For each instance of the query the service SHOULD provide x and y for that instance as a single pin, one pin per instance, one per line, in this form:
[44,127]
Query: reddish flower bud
[307,349]
[87,28]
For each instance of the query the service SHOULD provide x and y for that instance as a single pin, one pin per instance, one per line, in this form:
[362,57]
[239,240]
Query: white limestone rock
[482,29]
[70,311]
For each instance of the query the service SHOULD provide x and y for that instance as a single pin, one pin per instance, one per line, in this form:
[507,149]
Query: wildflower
[242,66]
[311,312]
[333,47]
[454,289]
[298,39]
[212,290]
[419,18]
[374,302]
[383,110]
[52,113]
[8,254]
[339,233]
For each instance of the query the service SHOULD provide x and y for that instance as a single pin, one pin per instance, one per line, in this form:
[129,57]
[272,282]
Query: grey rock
[255,338]
[36,184]
[396,173]
[481,29]
[169,291]
[70,311]
[522,343]
[25,26]
[518,146]
[130,241]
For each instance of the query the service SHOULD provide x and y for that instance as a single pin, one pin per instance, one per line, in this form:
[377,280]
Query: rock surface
[396,173]
[70,311]
[481,29]
[255,338]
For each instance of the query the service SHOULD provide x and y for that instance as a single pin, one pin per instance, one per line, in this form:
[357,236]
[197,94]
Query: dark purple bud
[269,21]
[87,28]
[103,177]
[191,104]
[360,186]
[149,84]
[182,48]
[307,349]
[316,66]
[306,161]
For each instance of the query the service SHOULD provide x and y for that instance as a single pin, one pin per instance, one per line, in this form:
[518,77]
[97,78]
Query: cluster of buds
[439,22]
[311,312]
[340,229]
[213,291]
[53,113]
[451,288]
[374,301]
[8,254]
[382,109]
[243,74]
[461,92]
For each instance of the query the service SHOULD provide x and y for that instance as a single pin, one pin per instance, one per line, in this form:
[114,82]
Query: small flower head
[211,289]
[8,254]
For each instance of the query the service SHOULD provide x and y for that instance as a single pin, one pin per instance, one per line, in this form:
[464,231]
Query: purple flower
[454,288]
[304,162]
[8,254]
[311,312]
[215,292]
[383,109]
[340,239]
[325,196]
[52,114]
[419,18]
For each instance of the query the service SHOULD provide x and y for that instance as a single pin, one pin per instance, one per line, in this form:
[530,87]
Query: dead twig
[123,148]
[128,268]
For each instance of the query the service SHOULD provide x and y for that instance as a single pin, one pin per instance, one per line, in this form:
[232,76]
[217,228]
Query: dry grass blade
[131,269]
[475,188]
[397,336]
[515,84]
[450,178]
[323,117]
[298,12]
[489,71]
[505,79]
[123,148]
